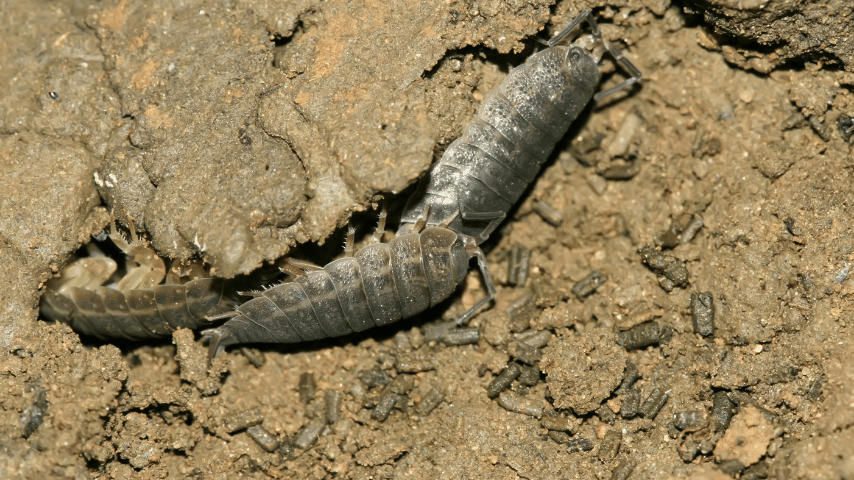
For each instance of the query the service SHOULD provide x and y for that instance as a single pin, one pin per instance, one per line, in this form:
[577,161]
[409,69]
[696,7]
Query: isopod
[137,307]
[483,173]
[375,286]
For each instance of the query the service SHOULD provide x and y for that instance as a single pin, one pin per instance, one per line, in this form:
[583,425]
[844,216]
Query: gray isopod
[378,285]
[483,173]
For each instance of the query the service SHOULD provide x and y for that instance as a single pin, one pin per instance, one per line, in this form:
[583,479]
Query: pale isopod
[137,307]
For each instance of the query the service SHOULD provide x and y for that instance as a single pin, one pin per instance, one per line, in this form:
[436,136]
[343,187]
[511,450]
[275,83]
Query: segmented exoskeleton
[483,173]
[137,307]
[466,195]
[378,285]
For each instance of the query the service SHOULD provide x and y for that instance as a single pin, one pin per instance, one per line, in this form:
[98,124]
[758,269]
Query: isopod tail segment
[377,285]
[596,46]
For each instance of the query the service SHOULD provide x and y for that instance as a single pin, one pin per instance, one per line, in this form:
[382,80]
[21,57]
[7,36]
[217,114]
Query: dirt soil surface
[715,201]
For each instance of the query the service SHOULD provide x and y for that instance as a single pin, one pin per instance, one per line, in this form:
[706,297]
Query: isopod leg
[626,64]
[351,238]
[584,15]
[218,339]
[495,219]
[378,235]
[421,222]
[487,280]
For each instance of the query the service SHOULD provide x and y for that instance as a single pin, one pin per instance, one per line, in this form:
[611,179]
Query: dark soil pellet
[625,171]
[518,404]
[536,339]
[373,378]
[33,415]
[415,362]
[307,387]
[654,402]
[631,403]
[519,265]
[558,424]
[548,213]
[606,415]
[384,407]
[461,336]
[703,313]
[401,385]
[579,445]
[263,438]
[689,450]
[524,353]
[673,271]
[503,380]
[309,434]
[332,405]
[610,445]
[241,420]
[559,437]
[530,376]
[691,229]
[432,400]
[623,469]
[846,127]
[589,284]
[690,420]
[756,471]
[643,335]
[630,376]
[731,467]
[815,388]
[254,356]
